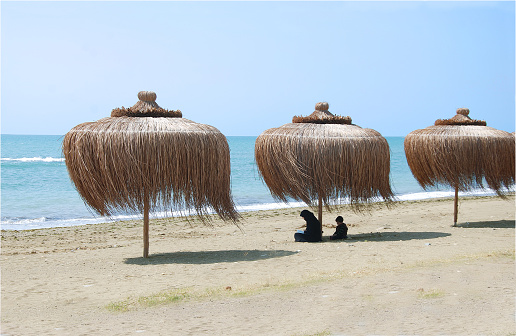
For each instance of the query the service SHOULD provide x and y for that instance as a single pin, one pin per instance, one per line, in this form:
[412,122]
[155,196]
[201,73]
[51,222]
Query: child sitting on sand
[341,232]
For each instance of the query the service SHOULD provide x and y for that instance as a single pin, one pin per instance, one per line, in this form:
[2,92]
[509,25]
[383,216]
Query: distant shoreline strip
[21,224]
[33,159]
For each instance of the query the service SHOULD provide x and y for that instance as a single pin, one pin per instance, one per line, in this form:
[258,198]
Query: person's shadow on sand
[501,224]
[391,236]
[208,257]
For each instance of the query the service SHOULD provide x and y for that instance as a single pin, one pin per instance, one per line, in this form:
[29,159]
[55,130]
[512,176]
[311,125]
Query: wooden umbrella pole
[146,227]
[456,206]
[320,211]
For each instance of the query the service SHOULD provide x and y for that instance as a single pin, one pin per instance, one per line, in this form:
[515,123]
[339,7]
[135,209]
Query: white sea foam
[35,159]
[446,194]
[43,222]
[404,197]
[23,221]
[269,206]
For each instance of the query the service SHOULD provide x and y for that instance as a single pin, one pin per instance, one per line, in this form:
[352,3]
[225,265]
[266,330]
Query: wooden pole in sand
[146,227]
[320,211]
[456,205]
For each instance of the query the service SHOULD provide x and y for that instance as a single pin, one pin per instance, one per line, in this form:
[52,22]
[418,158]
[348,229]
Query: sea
[36,191]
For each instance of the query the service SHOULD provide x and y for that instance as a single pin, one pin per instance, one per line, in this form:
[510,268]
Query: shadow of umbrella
[501,224]
[396,236]
[209,257]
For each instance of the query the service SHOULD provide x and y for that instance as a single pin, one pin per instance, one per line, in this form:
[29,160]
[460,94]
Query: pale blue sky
[244,67]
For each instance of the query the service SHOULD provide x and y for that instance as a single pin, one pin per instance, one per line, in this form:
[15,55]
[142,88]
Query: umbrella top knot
[322,106]
[461,118]
[147,96]
[463,111]
[146,107]
[321,115]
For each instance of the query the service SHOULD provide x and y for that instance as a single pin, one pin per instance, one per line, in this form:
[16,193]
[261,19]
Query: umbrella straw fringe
[305,161]
[115,162]
[462,156]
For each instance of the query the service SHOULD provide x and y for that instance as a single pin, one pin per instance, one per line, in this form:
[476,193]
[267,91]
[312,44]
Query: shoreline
[418,196]
[281,207]
[406,270]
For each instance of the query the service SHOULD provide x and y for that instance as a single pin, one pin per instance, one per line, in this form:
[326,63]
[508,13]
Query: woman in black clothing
[313,232]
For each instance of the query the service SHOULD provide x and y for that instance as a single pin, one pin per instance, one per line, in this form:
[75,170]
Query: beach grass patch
[463,258]
[119,306]
[183,294]
[320,333]
[368,297]
[161,298]
[431,294]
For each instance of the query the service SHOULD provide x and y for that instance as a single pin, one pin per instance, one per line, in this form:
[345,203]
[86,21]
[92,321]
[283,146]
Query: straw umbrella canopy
[322,158]
[462,153]
[145,158]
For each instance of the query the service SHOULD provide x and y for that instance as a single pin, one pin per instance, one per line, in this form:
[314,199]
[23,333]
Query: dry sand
[405,271]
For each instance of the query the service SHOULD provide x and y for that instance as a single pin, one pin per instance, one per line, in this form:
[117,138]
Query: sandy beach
[404,271]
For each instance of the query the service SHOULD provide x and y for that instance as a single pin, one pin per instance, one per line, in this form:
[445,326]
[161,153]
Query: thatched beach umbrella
[145,158]
[322,158]
[463,153]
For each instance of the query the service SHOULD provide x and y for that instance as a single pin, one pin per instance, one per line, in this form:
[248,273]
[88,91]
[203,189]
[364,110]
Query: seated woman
[313,232]
[341,232]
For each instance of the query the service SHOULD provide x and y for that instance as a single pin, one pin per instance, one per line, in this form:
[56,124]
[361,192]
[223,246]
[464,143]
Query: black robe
[313,232]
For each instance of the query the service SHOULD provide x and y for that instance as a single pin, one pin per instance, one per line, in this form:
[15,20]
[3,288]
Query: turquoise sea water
[36,191]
